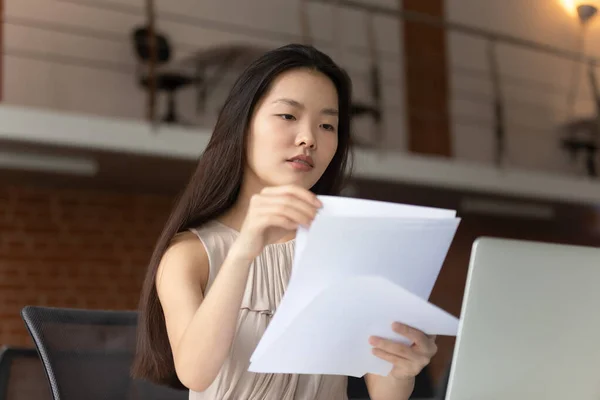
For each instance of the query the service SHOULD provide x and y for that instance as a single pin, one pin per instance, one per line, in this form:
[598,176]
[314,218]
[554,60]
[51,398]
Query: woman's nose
[307,138]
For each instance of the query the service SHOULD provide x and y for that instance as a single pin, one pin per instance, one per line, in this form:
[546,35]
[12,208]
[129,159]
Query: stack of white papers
[361,266]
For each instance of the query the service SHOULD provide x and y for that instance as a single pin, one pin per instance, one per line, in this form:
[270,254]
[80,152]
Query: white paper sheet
[361,266]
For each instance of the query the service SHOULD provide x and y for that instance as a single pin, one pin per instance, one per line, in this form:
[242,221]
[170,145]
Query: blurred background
[489,107]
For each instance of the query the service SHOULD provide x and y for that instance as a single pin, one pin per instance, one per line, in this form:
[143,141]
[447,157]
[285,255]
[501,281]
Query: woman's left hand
[408,360]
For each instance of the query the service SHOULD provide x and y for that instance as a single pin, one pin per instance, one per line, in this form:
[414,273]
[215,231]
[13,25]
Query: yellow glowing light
[570,6]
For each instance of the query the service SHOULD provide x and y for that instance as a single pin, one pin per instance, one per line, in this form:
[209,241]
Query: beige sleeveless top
[267,281]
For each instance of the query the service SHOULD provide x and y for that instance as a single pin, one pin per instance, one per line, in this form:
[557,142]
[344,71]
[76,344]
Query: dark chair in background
[166,81]
[424,387]
[22,375]
[581,140]
[87,354]
[357,388]
[442,387]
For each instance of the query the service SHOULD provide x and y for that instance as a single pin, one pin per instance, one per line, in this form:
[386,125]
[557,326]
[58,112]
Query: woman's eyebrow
[327,111]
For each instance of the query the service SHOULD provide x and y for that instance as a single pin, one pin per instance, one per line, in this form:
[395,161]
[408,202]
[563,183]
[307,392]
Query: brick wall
[72,248]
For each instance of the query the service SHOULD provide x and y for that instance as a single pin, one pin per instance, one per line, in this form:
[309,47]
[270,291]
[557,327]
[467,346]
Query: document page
[361,266]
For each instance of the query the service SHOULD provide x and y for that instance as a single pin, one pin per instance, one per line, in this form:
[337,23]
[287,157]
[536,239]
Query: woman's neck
[234,217]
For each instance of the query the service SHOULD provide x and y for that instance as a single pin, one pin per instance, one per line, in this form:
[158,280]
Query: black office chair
[22,375]
[581,137]
[357,387]
[424,388]
[442,388]
[87,354]
[166,81]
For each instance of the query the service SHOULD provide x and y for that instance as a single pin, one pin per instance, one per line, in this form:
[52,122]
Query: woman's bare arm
[200,329]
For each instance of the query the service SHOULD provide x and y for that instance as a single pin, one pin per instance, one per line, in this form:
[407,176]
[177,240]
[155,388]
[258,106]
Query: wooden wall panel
[1,50]
[426,80]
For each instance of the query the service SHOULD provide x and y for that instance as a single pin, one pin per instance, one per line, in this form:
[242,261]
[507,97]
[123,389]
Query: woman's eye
[289,117]
[328,127]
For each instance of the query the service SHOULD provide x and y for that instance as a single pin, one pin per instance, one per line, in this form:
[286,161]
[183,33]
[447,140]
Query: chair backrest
[442,387]
[357,387]
[88,354]
[142,46]
[22,375]
[424,388]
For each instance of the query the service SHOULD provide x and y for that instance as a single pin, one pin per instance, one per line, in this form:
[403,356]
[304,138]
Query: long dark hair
[216,182]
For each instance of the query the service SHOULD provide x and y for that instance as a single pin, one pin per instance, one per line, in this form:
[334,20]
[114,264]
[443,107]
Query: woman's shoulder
[184,238]
[185,259]
[186,244]
[213,227]
[214,234]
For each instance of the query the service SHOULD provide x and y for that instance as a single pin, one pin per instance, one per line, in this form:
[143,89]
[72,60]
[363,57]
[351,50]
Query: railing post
[499,114]
[595,93]
[595,137]
[151,17]
[305,23]
[337,34]
[375,79]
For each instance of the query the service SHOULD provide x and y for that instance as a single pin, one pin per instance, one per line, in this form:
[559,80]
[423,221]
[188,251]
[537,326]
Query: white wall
[535,85]
[75,55]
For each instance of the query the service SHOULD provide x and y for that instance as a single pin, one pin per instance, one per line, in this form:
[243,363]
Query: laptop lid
[530,323]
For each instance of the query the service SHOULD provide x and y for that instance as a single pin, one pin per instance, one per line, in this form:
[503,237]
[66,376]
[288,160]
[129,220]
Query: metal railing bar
[130,69]
[227,27]
[458,27]
[523,130]
[68,29]
[482,74]
[183,19]
[69,60]
[80,31]
[511,80]
[57,58]
[358,50]
[487,122]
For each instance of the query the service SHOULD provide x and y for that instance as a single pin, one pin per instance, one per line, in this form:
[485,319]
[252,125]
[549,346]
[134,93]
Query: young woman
[223,261]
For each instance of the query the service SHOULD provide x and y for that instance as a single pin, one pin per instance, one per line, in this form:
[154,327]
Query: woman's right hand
[274,213]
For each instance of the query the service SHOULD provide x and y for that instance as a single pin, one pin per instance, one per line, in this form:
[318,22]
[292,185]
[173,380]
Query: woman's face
[293,133]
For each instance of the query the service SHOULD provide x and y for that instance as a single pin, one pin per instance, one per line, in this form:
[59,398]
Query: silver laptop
[530,324]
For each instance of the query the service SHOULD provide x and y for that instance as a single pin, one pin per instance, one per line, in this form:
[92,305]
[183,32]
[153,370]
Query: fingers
[402,367]
[298,204]
[296,191]
[384,355]
[399,350]
[299,210]
[282,222]
[295,211]
[408,360]
[420,339]
[422,350]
